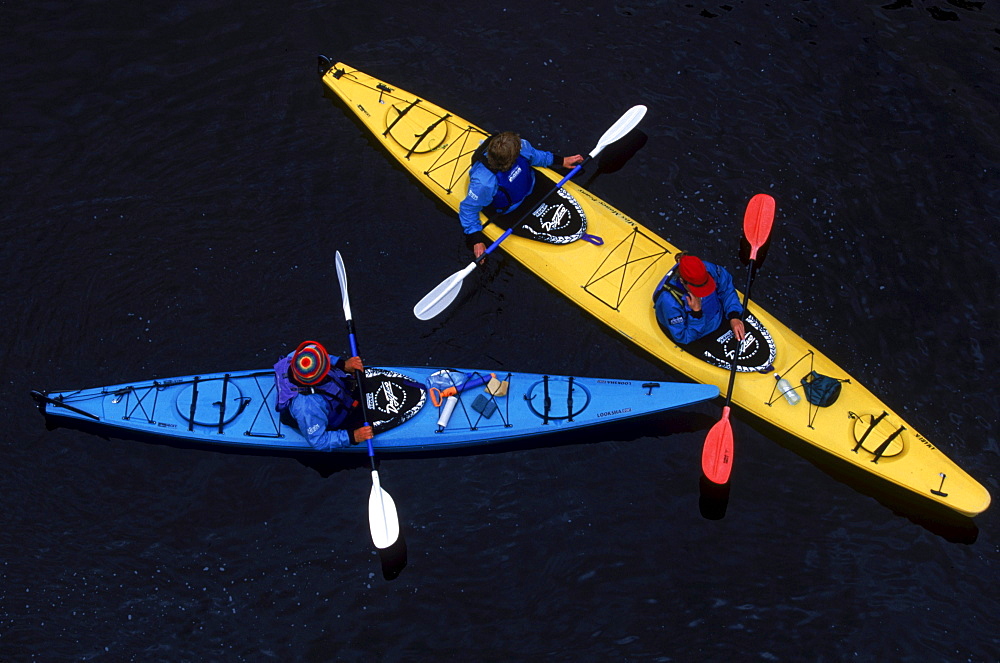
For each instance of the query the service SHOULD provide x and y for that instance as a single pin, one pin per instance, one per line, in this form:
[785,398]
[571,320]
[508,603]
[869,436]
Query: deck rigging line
[456,154]
[429,129]
[222,403]
[602,274]
[130,409]
[875,421]
[194,405]
[399,117]
[885,445]
[275,421]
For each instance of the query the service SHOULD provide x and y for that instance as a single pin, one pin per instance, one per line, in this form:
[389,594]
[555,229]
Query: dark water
[175,185]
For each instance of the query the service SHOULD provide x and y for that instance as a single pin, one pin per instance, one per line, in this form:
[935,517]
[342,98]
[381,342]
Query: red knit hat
[696,278]
[310,363]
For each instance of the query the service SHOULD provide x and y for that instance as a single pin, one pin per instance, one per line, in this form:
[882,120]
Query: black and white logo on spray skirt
[391,398]
[756,352]
[559,220]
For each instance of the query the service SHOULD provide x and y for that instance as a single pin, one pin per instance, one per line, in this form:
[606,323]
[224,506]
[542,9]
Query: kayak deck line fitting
[615,283]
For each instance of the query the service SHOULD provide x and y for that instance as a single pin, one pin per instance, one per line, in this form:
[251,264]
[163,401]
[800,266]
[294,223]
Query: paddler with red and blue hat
[695,299]
[316,390]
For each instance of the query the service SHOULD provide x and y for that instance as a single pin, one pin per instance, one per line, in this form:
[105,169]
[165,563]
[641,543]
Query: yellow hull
[614,282]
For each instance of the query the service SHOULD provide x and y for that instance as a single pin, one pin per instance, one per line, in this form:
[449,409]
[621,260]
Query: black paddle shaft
[736,352]
[358,375]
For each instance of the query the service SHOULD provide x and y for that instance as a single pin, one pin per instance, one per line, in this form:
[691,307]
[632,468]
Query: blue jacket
[674,315]
[483,187]
[320,412]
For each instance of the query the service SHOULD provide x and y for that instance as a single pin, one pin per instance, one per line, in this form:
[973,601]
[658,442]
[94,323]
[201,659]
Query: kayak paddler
[695,299]
[501,178]
[317,392]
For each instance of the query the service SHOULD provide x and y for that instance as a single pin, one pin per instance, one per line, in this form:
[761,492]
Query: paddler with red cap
[697,298]
[316,391]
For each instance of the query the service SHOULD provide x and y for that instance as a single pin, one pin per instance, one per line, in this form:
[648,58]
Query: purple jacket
[319,411]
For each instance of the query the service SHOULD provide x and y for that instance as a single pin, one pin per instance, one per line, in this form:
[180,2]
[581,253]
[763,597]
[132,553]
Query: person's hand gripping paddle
[717,454]
[438,299]
[382,518]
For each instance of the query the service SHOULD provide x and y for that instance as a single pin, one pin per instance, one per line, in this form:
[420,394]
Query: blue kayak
[410,408]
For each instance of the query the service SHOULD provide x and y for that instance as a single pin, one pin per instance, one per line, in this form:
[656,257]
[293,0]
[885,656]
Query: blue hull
[237,409]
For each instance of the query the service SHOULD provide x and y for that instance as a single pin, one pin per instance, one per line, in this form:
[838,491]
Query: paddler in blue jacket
[501,177]
[696,299]
[316,390]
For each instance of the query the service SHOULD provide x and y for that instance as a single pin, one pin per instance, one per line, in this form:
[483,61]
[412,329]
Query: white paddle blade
[342,279]
[382,518]
[441,297]
[625,124]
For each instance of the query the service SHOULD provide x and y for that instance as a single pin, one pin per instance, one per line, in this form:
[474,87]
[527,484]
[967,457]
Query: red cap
[696,278]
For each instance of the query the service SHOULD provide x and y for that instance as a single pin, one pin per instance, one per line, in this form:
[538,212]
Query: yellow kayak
[614,279]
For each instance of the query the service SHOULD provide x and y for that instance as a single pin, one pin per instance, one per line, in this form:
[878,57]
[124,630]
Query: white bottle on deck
[787,390]
[446,411]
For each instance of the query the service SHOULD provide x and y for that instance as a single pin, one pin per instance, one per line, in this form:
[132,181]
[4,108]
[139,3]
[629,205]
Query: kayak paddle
[438,299]
[382,518]
[717,454]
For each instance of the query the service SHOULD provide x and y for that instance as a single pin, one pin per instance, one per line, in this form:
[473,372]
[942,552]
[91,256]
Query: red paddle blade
[717,454]
[757,222]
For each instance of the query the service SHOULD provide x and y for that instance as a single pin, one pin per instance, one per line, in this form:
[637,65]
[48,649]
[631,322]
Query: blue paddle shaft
[520,221]
[354,343]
